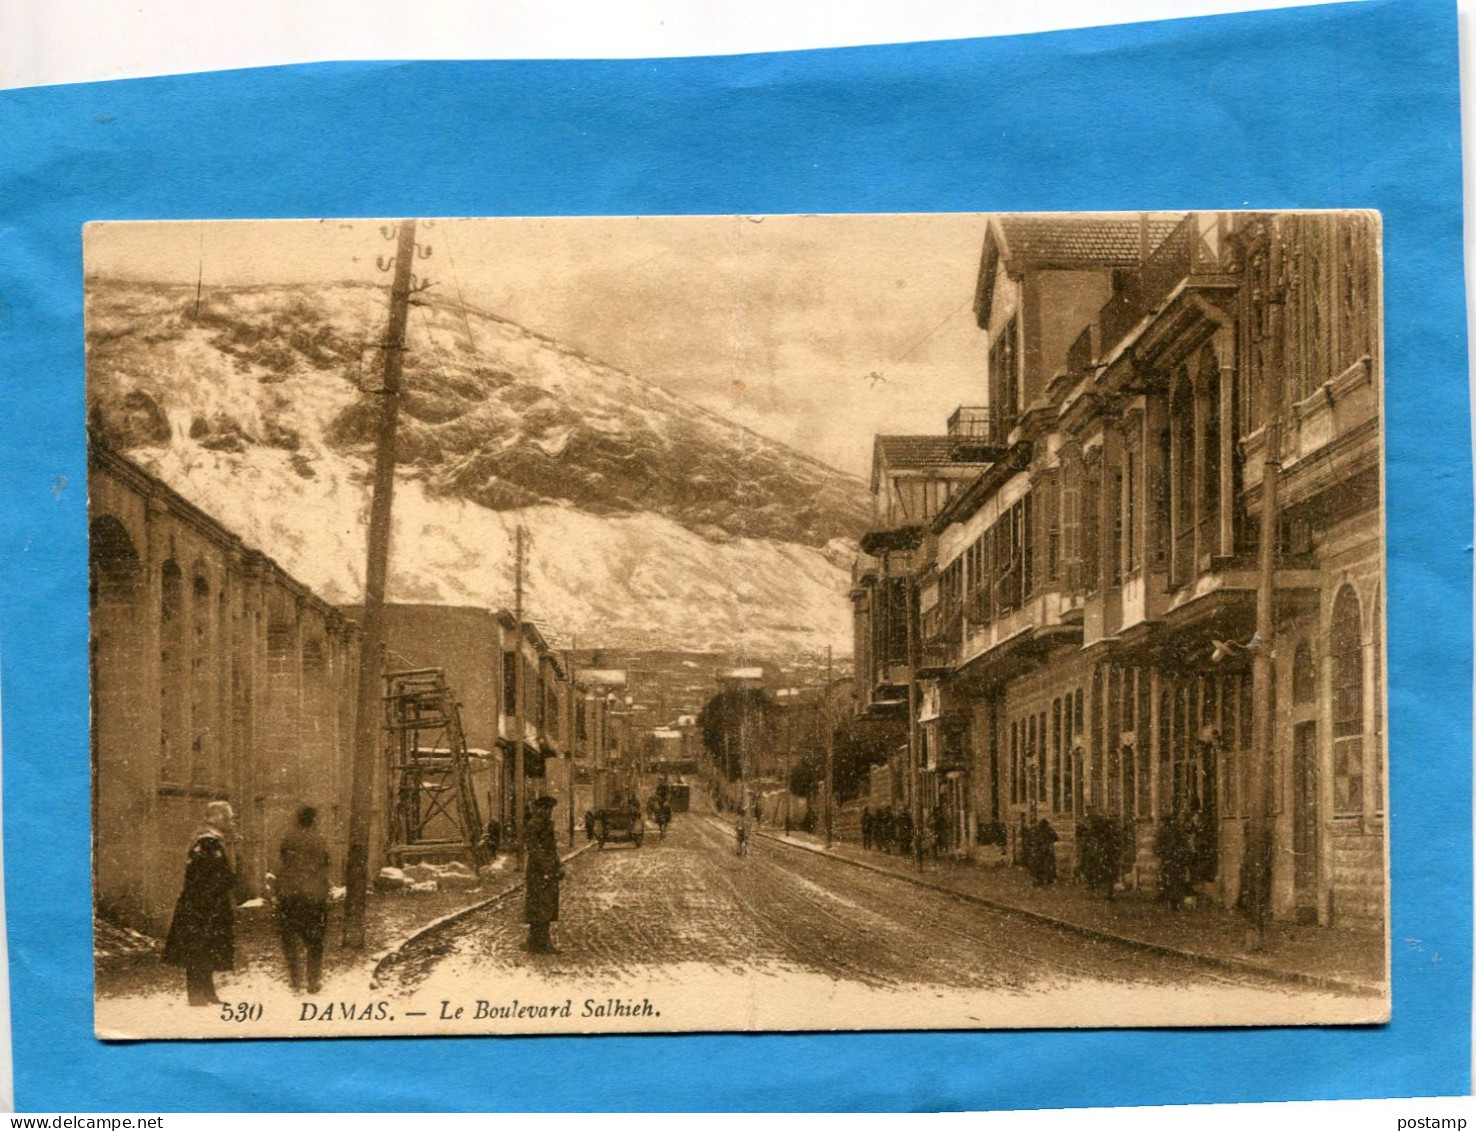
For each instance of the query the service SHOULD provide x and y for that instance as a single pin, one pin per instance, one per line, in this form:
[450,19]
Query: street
[786,938]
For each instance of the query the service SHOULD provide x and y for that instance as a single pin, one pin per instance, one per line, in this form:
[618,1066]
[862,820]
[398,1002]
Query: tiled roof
[1104,240]
[915,451]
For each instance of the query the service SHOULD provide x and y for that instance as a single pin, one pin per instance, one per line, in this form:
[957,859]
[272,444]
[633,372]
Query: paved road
[692,899]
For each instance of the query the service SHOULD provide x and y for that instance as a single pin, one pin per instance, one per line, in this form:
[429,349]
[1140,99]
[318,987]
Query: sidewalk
[390,920]
[1343,960]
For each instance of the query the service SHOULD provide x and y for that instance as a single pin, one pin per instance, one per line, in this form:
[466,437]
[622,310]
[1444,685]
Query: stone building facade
[215,675]
[1085,606]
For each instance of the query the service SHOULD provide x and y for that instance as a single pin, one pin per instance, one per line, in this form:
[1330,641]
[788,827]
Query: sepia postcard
[736,623]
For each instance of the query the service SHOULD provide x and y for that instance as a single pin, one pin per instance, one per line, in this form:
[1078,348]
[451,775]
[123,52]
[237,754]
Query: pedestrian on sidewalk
[866,826]
[541,876]
[1041,853]
[1174,850]
[1099,845]
[492,838]
[202,935]
[904,833]
[881,829]
[302,900]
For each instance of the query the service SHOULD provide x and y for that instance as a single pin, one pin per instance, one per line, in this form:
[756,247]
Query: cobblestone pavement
[690,899]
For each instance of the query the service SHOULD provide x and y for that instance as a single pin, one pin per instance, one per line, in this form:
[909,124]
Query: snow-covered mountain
[652,521]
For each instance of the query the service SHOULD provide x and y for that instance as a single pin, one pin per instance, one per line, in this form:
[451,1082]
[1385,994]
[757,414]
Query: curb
[1238,965]
[387,958]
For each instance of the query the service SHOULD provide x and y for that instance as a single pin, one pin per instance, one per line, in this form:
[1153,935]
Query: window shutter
[1071,527]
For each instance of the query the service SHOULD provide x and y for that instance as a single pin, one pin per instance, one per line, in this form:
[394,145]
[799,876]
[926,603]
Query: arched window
[1165,774]
[1304,676]
[283,704]
[204,696]
[1095,739]
[315,730]
[173,674]
[1209,383]
[1056,755]
[1015,774]
[1347,712]
[116,574]
[1181,424]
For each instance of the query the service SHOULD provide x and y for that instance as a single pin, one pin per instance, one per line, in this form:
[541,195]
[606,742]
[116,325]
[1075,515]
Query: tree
[737,729]
[859,744]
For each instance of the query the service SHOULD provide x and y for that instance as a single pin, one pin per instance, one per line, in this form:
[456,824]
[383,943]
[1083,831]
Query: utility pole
[1263,735]
[829,750]
[909,592]
[519,691]
[367,721]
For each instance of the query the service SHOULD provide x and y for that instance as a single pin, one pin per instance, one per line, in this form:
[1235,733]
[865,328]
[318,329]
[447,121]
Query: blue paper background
[1348,105]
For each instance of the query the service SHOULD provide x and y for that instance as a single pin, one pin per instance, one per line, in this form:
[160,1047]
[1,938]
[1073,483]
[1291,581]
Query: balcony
[978,435]
[1195,247]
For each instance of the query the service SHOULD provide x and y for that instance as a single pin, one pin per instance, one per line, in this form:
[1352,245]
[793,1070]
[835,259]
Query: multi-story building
[1086,602]
[497,684]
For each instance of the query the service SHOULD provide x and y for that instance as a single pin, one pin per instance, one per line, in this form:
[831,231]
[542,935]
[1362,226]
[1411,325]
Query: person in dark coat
[202,935]
[1043,850]
[541,876]
[302,900]
[1172,846]
[866,826]
[492,838]
[904,833]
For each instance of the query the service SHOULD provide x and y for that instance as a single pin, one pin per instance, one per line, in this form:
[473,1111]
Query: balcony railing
[1195,246]
[970,422]
[978,433]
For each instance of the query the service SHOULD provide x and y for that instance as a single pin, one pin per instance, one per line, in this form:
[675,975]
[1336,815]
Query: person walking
[302,900]
[492,838]
[541,876]
[866,826]
[1172,846]
[202,934]
[1043,849]
[886,829]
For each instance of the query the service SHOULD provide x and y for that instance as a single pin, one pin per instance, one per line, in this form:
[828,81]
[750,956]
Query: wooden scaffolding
[432,805]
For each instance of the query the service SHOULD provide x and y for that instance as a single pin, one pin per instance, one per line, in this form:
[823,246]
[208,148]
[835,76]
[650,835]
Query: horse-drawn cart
[619,825]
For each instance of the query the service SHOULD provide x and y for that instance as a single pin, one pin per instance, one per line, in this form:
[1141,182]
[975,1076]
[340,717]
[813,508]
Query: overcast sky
[777,322]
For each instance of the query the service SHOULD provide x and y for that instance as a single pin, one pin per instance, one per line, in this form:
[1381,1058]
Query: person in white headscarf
[202,934]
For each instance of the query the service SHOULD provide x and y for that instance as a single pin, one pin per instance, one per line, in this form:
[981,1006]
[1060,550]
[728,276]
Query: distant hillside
[653,521]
